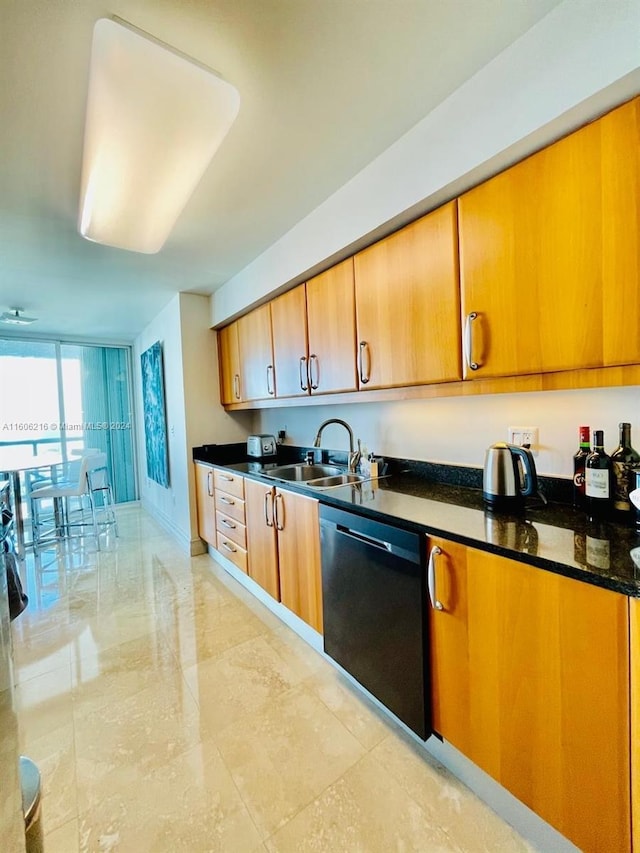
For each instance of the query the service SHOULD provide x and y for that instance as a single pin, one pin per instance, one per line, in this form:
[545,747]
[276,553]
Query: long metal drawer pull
[431,578]
[313,359]
[278,503]
[468,341]
[368,540]
[227,477]
[302,369]
[228,523]
[226,545]
[210,483]
[364,347]
[268,521]
[270,389]
[226,500]
[236,385]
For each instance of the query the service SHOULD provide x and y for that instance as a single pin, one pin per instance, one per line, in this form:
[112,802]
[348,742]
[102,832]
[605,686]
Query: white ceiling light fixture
[155,118]
[13,317]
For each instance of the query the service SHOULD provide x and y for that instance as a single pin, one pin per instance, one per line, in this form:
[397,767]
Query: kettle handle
[530,485]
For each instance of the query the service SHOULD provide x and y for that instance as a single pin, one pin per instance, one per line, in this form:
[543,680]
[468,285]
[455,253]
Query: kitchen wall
[459,429]
[194,414]
[578,61]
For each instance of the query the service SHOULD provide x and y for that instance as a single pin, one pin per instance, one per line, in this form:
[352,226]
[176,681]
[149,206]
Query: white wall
[194,415]
[580,59]
[459,429]
[206,420]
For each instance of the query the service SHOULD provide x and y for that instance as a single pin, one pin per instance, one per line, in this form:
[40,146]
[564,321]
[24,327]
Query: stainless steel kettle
[509,476]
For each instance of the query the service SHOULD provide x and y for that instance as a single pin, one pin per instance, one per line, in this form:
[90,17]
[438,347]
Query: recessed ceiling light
[13,317]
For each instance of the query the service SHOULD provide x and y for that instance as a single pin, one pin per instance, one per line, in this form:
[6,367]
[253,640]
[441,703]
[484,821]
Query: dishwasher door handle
[367,540]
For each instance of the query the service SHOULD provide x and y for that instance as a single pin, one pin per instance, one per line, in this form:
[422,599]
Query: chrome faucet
[354,455]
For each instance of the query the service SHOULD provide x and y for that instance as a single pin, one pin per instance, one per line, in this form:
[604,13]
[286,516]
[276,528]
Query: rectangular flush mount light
[154,120]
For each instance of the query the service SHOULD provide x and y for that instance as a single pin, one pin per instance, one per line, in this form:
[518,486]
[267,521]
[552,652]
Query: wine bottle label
[597,483]
[621,486]
[578,480]
[598,553]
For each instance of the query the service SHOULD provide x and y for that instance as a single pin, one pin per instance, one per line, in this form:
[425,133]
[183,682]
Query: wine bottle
[622,460]
[597,470]
[579,460]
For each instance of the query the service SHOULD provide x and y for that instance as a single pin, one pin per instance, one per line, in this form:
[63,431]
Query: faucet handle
[310,457]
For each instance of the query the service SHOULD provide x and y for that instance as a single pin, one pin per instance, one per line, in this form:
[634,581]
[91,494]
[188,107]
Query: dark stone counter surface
[446,501]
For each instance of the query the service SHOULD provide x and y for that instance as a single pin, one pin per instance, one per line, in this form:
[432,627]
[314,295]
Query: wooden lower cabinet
[262,545]
[296,518]
[205,503]
[283,542]
[530,680]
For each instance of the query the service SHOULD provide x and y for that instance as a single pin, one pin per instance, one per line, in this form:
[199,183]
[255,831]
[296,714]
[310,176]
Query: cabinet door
[205,503]
[331,317]
[545,262]
[289,324]
[408,305]
[299,556]
[530,680]
[256,354]
[261,537]
[229,356]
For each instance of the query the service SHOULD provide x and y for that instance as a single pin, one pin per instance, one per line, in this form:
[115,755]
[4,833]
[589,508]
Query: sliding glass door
[68,398]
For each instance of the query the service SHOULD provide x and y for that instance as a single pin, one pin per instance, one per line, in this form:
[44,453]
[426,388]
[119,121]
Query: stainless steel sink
[336,480]
[301,472]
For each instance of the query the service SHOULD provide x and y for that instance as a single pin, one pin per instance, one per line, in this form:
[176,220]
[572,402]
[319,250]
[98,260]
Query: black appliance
[374,609]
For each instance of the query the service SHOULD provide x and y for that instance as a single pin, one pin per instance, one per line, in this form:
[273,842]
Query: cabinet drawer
[230,505]
[231,528]
[230,483]
[232,551]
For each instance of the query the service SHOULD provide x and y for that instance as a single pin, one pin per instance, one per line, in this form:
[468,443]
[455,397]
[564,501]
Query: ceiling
[325,86]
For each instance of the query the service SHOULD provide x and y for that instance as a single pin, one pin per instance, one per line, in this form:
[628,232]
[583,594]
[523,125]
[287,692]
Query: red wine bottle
[623,458]
[579,460]
[598,485]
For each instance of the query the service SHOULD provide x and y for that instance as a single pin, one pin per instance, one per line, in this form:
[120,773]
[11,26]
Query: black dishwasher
[374,608]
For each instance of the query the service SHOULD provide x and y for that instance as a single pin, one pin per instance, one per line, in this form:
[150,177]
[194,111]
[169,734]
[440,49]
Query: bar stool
[61,522]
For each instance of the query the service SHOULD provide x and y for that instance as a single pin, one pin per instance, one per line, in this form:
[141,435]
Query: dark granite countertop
[447,501]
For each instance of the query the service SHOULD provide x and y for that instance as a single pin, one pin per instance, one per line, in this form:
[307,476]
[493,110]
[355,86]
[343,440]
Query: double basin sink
[316,476]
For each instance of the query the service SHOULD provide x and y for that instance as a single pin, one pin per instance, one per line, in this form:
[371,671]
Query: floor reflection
[168,710]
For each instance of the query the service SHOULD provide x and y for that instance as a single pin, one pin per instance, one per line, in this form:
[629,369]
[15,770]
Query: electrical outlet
[524,436]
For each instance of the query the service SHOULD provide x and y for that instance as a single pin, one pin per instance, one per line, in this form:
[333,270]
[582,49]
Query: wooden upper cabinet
[257,374]
[331,317]
[549,255]
[530,680]
[290,350]
[408,305]
[229,358]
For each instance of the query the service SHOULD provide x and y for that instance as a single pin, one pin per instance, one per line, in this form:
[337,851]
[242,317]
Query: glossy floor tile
[169,710]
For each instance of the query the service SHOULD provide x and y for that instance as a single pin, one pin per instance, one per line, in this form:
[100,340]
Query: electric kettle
[509,476]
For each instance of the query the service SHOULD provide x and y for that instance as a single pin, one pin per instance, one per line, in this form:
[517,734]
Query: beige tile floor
[169,710]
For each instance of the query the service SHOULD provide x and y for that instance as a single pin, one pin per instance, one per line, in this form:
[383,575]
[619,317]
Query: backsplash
[457,430]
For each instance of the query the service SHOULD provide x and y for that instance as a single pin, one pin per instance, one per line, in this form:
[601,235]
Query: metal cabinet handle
[210,483]
[236,386]
[313,359]
[431,578]
[270,388]
[226,477]
[279,503]
[364,348]
[226,500]
[228,523]
[304,378]
[468,341]
[268,520]
[226,545]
